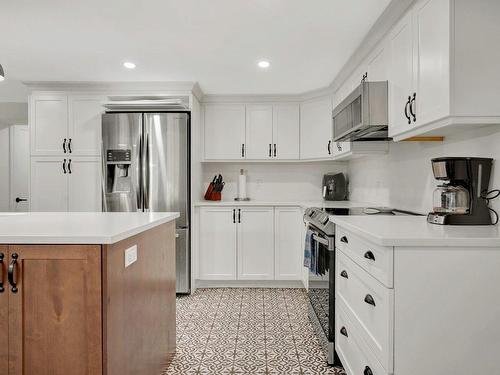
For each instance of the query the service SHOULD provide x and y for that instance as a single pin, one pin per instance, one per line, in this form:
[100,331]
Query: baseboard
[249,284]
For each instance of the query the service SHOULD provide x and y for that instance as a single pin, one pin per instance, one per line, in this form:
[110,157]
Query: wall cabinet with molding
[316,128]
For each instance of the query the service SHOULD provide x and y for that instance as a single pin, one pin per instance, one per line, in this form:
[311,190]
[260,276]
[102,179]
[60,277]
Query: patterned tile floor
[246,331]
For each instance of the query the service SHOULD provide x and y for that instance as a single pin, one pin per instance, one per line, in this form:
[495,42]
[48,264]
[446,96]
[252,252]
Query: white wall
[273,181]
[403,178]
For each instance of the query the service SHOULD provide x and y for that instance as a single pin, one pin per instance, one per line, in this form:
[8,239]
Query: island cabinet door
[54,313]
[4,321]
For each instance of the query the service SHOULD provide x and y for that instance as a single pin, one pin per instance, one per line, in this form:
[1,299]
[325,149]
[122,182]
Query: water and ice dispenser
[119,187]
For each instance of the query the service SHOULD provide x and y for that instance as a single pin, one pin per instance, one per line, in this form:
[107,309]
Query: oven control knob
[324,220]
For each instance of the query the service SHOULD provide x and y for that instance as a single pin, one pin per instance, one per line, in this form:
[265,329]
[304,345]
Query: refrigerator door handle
[139,164]
[145,171]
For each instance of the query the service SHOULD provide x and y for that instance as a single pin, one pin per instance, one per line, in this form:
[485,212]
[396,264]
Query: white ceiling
[214,42]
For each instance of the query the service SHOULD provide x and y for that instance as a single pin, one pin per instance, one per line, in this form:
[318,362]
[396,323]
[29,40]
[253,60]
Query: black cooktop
[369,211]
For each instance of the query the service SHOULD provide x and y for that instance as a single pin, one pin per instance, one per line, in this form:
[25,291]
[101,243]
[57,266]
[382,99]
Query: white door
[217,247]
[432,49]
[377,64]
[19,168]
[288,243]
[49,124]
[84,132]
[400,75]
[286,131]
[224,131]
[255,243]
[84,184]
[49,184]
[259,131]
[316,129]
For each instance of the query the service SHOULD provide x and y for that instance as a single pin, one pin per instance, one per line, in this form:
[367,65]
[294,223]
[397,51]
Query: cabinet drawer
[353,352]
[370,304]
[374,259]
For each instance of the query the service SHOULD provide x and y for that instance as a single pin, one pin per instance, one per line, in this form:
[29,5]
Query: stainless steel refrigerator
[146,168]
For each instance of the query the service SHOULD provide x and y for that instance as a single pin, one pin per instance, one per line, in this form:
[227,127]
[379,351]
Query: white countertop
[415,231]
[77,227]
[303,204]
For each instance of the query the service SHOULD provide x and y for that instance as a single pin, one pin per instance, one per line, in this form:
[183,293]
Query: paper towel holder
[242,187]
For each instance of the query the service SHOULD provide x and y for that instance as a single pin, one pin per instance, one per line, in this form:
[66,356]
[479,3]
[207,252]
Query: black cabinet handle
[64,166]
[344,274]
[275,150]
[368,371]
[344,332]
[69,166]
[329,147]
[369,255]
[10,274]
[2,256]
[411,107]
[69,146]
[242,150]
[234,216]
[270,150]
[406,110]
[21,200]
[369,300]
[239,215]
[64,145]
[344,239]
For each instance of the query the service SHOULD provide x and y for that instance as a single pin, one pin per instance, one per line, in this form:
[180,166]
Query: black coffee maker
[461,198]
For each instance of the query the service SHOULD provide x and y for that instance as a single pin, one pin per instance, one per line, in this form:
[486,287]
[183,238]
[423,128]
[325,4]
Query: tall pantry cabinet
[65,149]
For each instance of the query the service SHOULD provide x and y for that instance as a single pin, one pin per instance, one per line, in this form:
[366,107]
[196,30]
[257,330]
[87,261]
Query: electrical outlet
[130,255]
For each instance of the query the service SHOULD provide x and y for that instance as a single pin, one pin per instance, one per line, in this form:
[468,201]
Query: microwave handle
[324,191]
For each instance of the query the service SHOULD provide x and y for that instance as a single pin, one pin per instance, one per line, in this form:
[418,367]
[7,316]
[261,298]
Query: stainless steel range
[321,291]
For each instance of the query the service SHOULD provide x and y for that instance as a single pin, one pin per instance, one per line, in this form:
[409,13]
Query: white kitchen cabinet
[286,131]
[48,184]
[316,128]
[224,131]
[84,128]
[259,131]
[288,248]
[217,243]
[84,184]
[377,64]
[48,124]
[255,243]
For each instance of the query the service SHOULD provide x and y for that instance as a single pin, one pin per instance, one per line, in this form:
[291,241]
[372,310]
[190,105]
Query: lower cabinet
[250,243]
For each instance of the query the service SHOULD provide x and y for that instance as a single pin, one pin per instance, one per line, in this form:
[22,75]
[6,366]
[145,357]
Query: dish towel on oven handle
[308,246]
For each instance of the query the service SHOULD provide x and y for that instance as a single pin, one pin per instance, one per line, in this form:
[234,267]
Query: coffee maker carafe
[460,198]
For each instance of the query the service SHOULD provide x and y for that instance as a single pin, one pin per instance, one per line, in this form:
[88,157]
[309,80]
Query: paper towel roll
[242,184]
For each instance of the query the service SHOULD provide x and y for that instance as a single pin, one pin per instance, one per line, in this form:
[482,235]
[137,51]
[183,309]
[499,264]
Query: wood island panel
[139,303]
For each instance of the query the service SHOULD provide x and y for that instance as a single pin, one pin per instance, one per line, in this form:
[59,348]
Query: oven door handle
[320,239]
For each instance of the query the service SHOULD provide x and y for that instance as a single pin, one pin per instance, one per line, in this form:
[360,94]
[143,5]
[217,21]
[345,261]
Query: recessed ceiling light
[264,64]
[129,65]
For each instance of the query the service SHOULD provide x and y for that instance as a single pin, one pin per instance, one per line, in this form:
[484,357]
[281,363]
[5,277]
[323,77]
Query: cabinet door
[377,64]
[217,243]
[85,125]
[55,314]
[316,129]
[286,131]
[255,243]
[400,75]
[288,243]
[49,184]
[432,49]
[48,123]
[259,131]
[4,312]
[84,184]
[224,131]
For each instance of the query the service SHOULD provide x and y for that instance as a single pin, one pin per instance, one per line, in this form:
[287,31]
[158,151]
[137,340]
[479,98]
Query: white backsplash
[403,178]
[273,181]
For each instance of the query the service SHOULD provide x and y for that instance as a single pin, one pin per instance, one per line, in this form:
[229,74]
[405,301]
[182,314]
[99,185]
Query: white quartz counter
[415,231]
[303,204]
[77,227]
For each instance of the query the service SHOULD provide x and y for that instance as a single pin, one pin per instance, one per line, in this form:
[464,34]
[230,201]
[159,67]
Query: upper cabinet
[259,132]
[316,128]
[286,131]
[224,131]
[440,70]
[62,124]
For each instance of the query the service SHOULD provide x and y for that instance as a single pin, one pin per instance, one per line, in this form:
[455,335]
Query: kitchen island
[87,293]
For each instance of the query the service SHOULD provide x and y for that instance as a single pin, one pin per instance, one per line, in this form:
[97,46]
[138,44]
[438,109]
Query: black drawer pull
[2,289]
[344,332]
[369,255]
[344,274]
[344,239]
[368,371]
[369,300]
[10,274]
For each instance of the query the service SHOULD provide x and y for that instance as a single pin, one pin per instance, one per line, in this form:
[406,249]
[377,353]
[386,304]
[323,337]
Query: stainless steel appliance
[146,168]
[463,196]
[334,187]
[363,114]
[321,290]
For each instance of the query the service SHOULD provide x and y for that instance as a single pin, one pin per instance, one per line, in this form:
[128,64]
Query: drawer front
[370,304]
[353,352]
[374,259]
